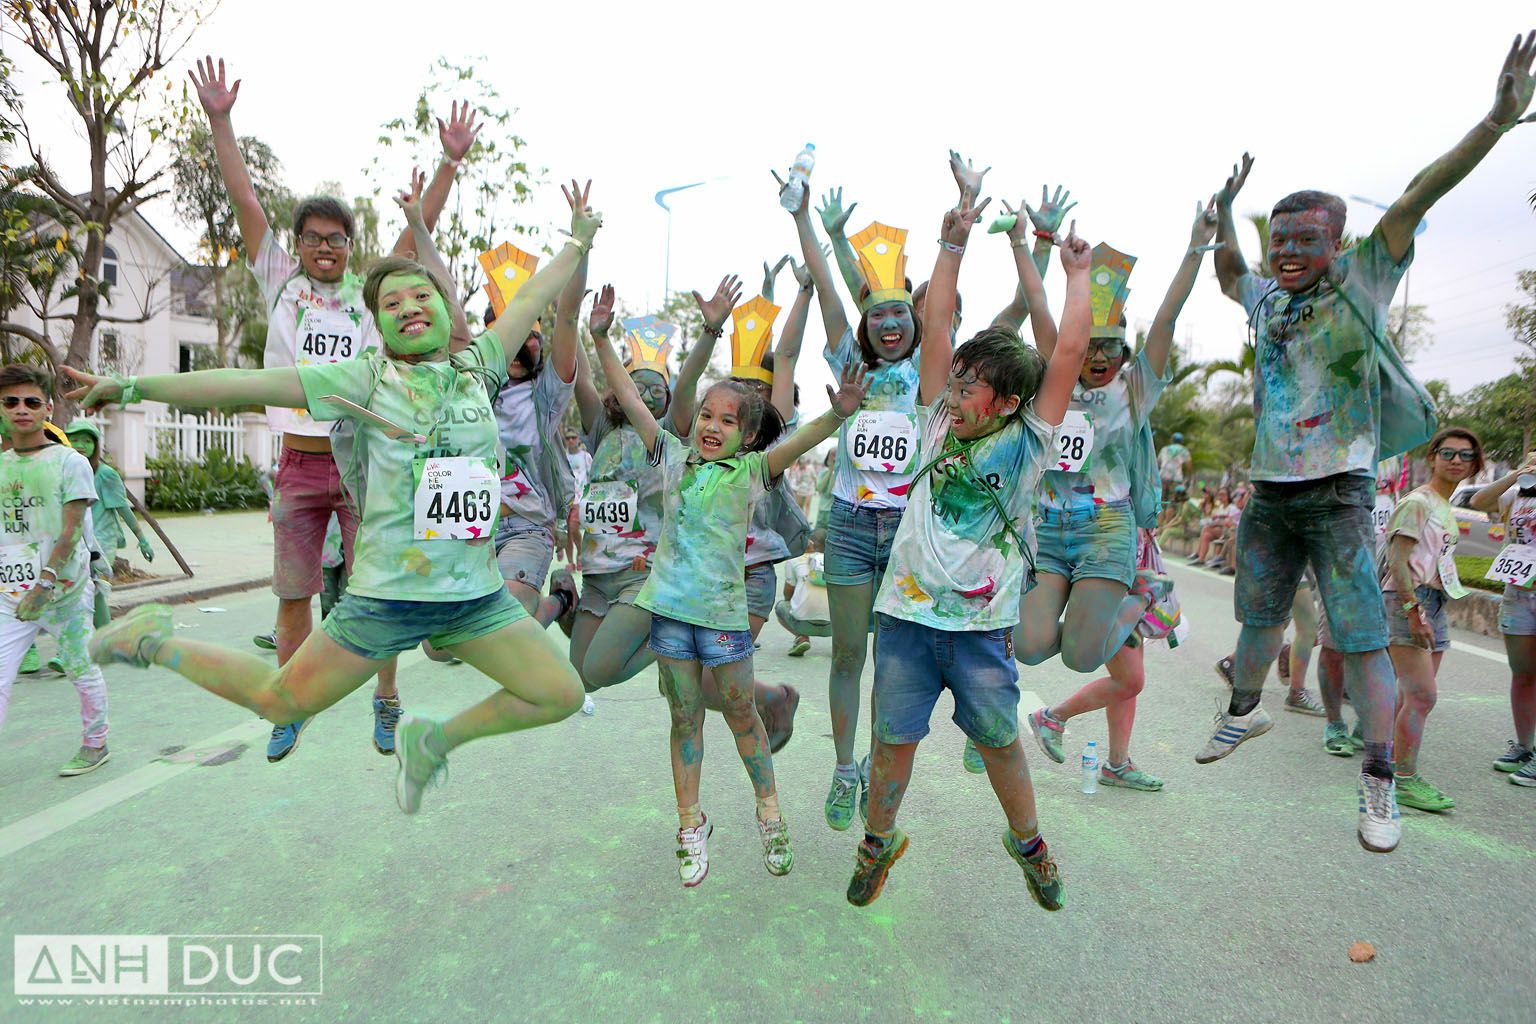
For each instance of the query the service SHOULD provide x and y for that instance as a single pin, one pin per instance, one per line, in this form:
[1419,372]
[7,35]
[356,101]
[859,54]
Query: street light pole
[661,201]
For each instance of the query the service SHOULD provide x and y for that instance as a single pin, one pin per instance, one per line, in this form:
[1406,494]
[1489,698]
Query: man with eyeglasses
[315,314]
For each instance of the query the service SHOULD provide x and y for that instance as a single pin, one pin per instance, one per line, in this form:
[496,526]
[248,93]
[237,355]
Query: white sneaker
[778,855]
[693,853]
[587,707]
[1380,830]
[1232,730]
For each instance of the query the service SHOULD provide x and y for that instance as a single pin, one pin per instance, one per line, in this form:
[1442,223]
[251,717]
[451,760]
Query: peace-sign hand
[959,221]
[216,98]
[718,309]
[769,274]
[584,220]
[458,135]
[1234,183]
[1204,228]
[409,201]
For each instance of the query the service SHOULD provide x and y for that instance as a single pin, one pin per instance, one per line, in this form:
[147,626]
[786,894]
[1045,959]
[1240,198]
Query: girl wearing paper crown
[877,455]
[1088,519]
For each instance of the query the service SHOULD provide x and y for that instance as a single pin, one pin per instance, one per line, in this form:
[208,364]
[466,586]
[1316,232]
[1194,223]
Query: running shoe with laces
[1513,759]
[285,739]
[971,758]
[693,852]
[1128,776]
[266,641]
[1336,740]
[87,760]
[799,647]
[1304,702]
[840,800]
[1048,733]
[1232,730]
[386,716]
[134,638]
[871,866]
[1041,874]
[30,662]
[1414,791]
[420,768]
[1224,670]
[778,855]
[1525,776]
[1380,830]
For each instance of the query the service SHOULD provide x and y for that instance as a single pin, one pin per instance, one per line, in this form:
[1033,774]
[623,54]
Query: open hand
[967,177]
[855,380]
[1234,185]
[1052,209]
[600,321]
[718,309]
[216,98]
[833,217]
[460,131]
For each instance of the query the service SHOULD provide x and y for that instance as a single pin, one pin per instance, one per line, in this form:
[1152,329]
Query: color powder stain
[414,560]
[902,490]
[1315,421]
[1488,846]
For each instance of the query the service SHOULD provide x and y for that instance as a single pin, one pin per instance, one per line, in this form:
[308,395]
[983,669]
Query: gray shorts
[762,590]
[524,556]
[601,591]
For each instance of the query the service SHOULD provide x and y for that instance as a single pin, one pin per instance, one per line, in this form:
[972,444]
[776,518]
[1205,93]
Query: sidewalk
[227,551]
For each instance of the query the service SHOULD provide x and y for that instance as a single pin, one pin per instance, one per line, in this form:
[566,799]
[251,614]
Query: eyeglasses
[12,401]
[336,240]
[1448,454]
[1111,347]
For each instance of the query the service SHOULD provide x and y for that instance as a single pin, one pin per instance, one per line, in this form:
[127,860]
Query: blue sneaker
[284,739]
[386,715]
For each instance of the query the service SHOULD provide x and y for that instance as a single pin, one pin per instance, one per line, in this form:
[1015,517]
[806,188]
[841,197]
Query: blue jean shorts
[379,629]
[1517,611]
[1097,543]
[859,543]
[914,662]
[762,590]
[683,641]
[1432,603]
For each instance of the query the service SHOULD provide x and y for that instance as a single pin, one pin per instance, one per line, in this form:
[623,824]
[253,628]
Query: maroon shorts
[306,493]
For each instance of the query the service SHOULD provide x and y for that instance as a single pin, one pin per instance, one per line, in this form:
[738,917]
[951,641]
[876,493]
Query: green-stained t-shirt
[1316,393]
[699,574]
[1115,413]
[449,403]
[34,489]
[620,508]
[111,495]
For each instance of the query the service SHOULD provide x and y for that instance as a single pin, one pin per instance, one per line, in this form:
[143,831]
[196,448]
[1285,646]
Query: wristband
[131,393]
[1047,235]
[1020,243]
[585,247]
[714,332]
[49,568]
[451,162]
[952,247]
[1498,129]
[1409,606]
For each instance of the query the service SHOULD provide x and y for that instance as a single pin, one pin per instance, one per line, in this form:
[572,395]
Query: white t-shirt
[308,323]
[33,491]
[808,600]
[581,467]
[527,411]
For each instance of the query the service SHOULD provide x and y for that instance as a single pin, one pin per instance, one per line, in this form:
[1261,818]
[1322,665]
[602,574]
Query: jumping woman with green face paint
[425,474]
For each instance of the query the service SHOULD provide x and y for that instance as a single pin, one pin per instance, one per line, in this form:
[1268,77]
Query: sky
[1139,109]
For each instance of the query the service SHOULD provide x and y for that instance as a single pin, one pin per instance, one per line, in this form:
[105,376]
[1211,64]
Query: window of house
[109,348]
[109,266]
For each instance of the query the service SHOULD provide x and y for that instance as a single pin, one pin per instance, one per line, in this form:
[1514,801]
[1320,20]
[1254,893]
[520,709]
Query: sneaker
[693,853]
[386,715]
[588,707]
[971,758]
[1379,828]
[1224,669]
[134,638]
[1283,664]
[1304,702]
[266,641]
[285,739]
[778,855]
[1226,570]
[871,865]
[88,760]
[1336,740]
[1128,776]
[420,767]
[783,727]
[1513,759]
[864,789]
[56,664]
[1525,776]
[1357,738]
[1232,730]
[30,662]
[1413,791]
[840,799]
[1041,874]
[1048,733]
[799,647]
[561,582]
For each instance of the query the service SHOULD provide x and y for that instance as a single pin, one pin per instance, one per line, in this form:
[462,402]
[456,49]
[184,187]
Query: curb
[129,603]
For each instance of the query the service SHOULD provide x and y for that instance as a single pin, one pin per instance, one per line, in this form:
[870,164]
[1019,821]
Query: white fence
[139,433]
[191,437]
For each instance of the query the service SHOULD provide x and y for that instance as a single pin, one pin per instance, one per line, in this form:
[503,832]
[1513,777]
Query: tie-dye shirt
[621,471]
[34,488]
[954,564]
[699,574]
[449,403]
[527,412]
[1316,393]
[1116,411]
[1430,521]
[888,435]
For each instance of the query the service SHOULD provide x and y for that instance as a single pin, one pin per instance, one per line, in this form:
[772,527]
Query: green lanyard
[964,449]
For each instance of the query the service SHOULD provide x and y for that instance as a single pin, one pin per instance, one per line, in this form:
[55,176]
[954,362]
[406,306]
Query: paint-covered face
[1301,246]
[26,408]
[526,363]
[717,430]
[975,408]
[324,261]
[653,390]
[1453,461]
[412,316]
[83,443]
[1102,362]
[889,327]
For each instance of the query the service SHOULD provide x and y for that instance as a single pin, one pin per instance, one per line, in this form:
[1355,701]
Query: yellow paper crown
[507,269]
[1108,287]
[752,331]
[650,342]
[882,253]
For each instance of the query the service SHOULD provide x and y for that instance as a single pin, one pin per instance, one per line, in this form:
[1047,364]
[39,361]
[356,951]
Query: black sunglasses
[1448,454]
[12,401]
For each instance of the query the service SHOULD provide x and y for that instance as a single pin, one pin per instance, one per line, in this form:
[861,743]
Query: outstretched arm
[938,311]
[217,100]
[517,319]
[787,352]
[456,136]
[845,402]
[1160,335]
[1230,266]
[625,391]
[1511,97]
[832,316]
[835,220]
[199,389]
[562,353]
[1487,498]
[1066,362]
[1047,219]
[1031,285]
[589,404]
[427,255]
[716,312]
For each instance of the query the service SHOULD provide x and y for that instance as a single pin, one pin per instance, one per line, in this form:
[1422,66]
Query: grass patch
[1471,569]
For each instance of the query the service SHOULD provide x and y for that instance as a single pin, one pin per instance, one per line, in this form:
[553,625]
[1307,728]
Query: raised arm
[832,315]
[426,254]
[517,319]
[786,354]
[1047,219]
[1066,362]
[457,136]
[1230,265]
[1031,284]
[624,390]
[199,389]
[1487,498]
[937,352]
[716,312]
[1511,97]
[217,100]
[562,354]
[1160,335]
[845,402]
[589,404]
[835,220]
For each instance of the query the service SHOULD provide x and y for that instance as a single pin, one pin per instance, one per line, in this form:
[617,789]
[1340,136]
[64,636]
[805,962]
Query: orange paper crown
[882,253]
[650,342]
[1108,287]
[507,269]
[752,332]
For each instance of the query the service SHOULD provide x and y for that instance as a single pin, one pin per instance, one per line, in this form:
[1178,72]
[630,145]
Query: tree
[104,52]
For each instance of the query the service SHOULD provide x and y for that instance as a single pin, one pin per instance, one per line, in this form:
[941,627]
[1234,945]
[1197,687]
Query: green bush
[1471,569]
[179,485]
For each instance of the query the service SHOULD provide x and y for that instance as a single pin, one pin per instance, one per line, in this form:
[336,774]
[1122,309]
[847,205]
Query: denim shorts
[1432,603]
[859,543]
[1517,612]
[523,555]
[1088,543]
[914,662]
[1326,523]
[379,629]
[683,641]
[762,589]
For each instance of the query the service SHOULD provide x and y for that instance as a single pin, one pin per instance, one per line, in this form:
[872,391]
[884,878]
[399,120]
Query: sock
[768,807]
[1122,766]
[878,841]
[690,816]
[847,771]
[1031,847]
[1243,702]
[1378,759]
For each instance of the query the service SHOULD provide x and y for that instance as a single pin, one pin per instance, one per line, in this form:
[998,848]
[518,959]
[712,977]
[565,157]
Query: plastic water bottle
[1091,767]
[799,176]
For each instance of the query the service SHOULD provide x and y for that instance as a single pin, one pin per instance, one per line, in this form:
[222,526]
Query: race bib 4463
[457,498]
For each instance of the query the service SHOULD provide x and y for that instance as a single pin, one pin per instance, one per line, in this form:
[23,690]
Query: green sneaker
[134,638]
[1336,740]
[88,760]
[1357,738]
[420,767]
[840,799]
[56,664]
[1413,791]
[972,758]
[32,661]
[1128,776]
[1041,874]
[871,865]
[266,641]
